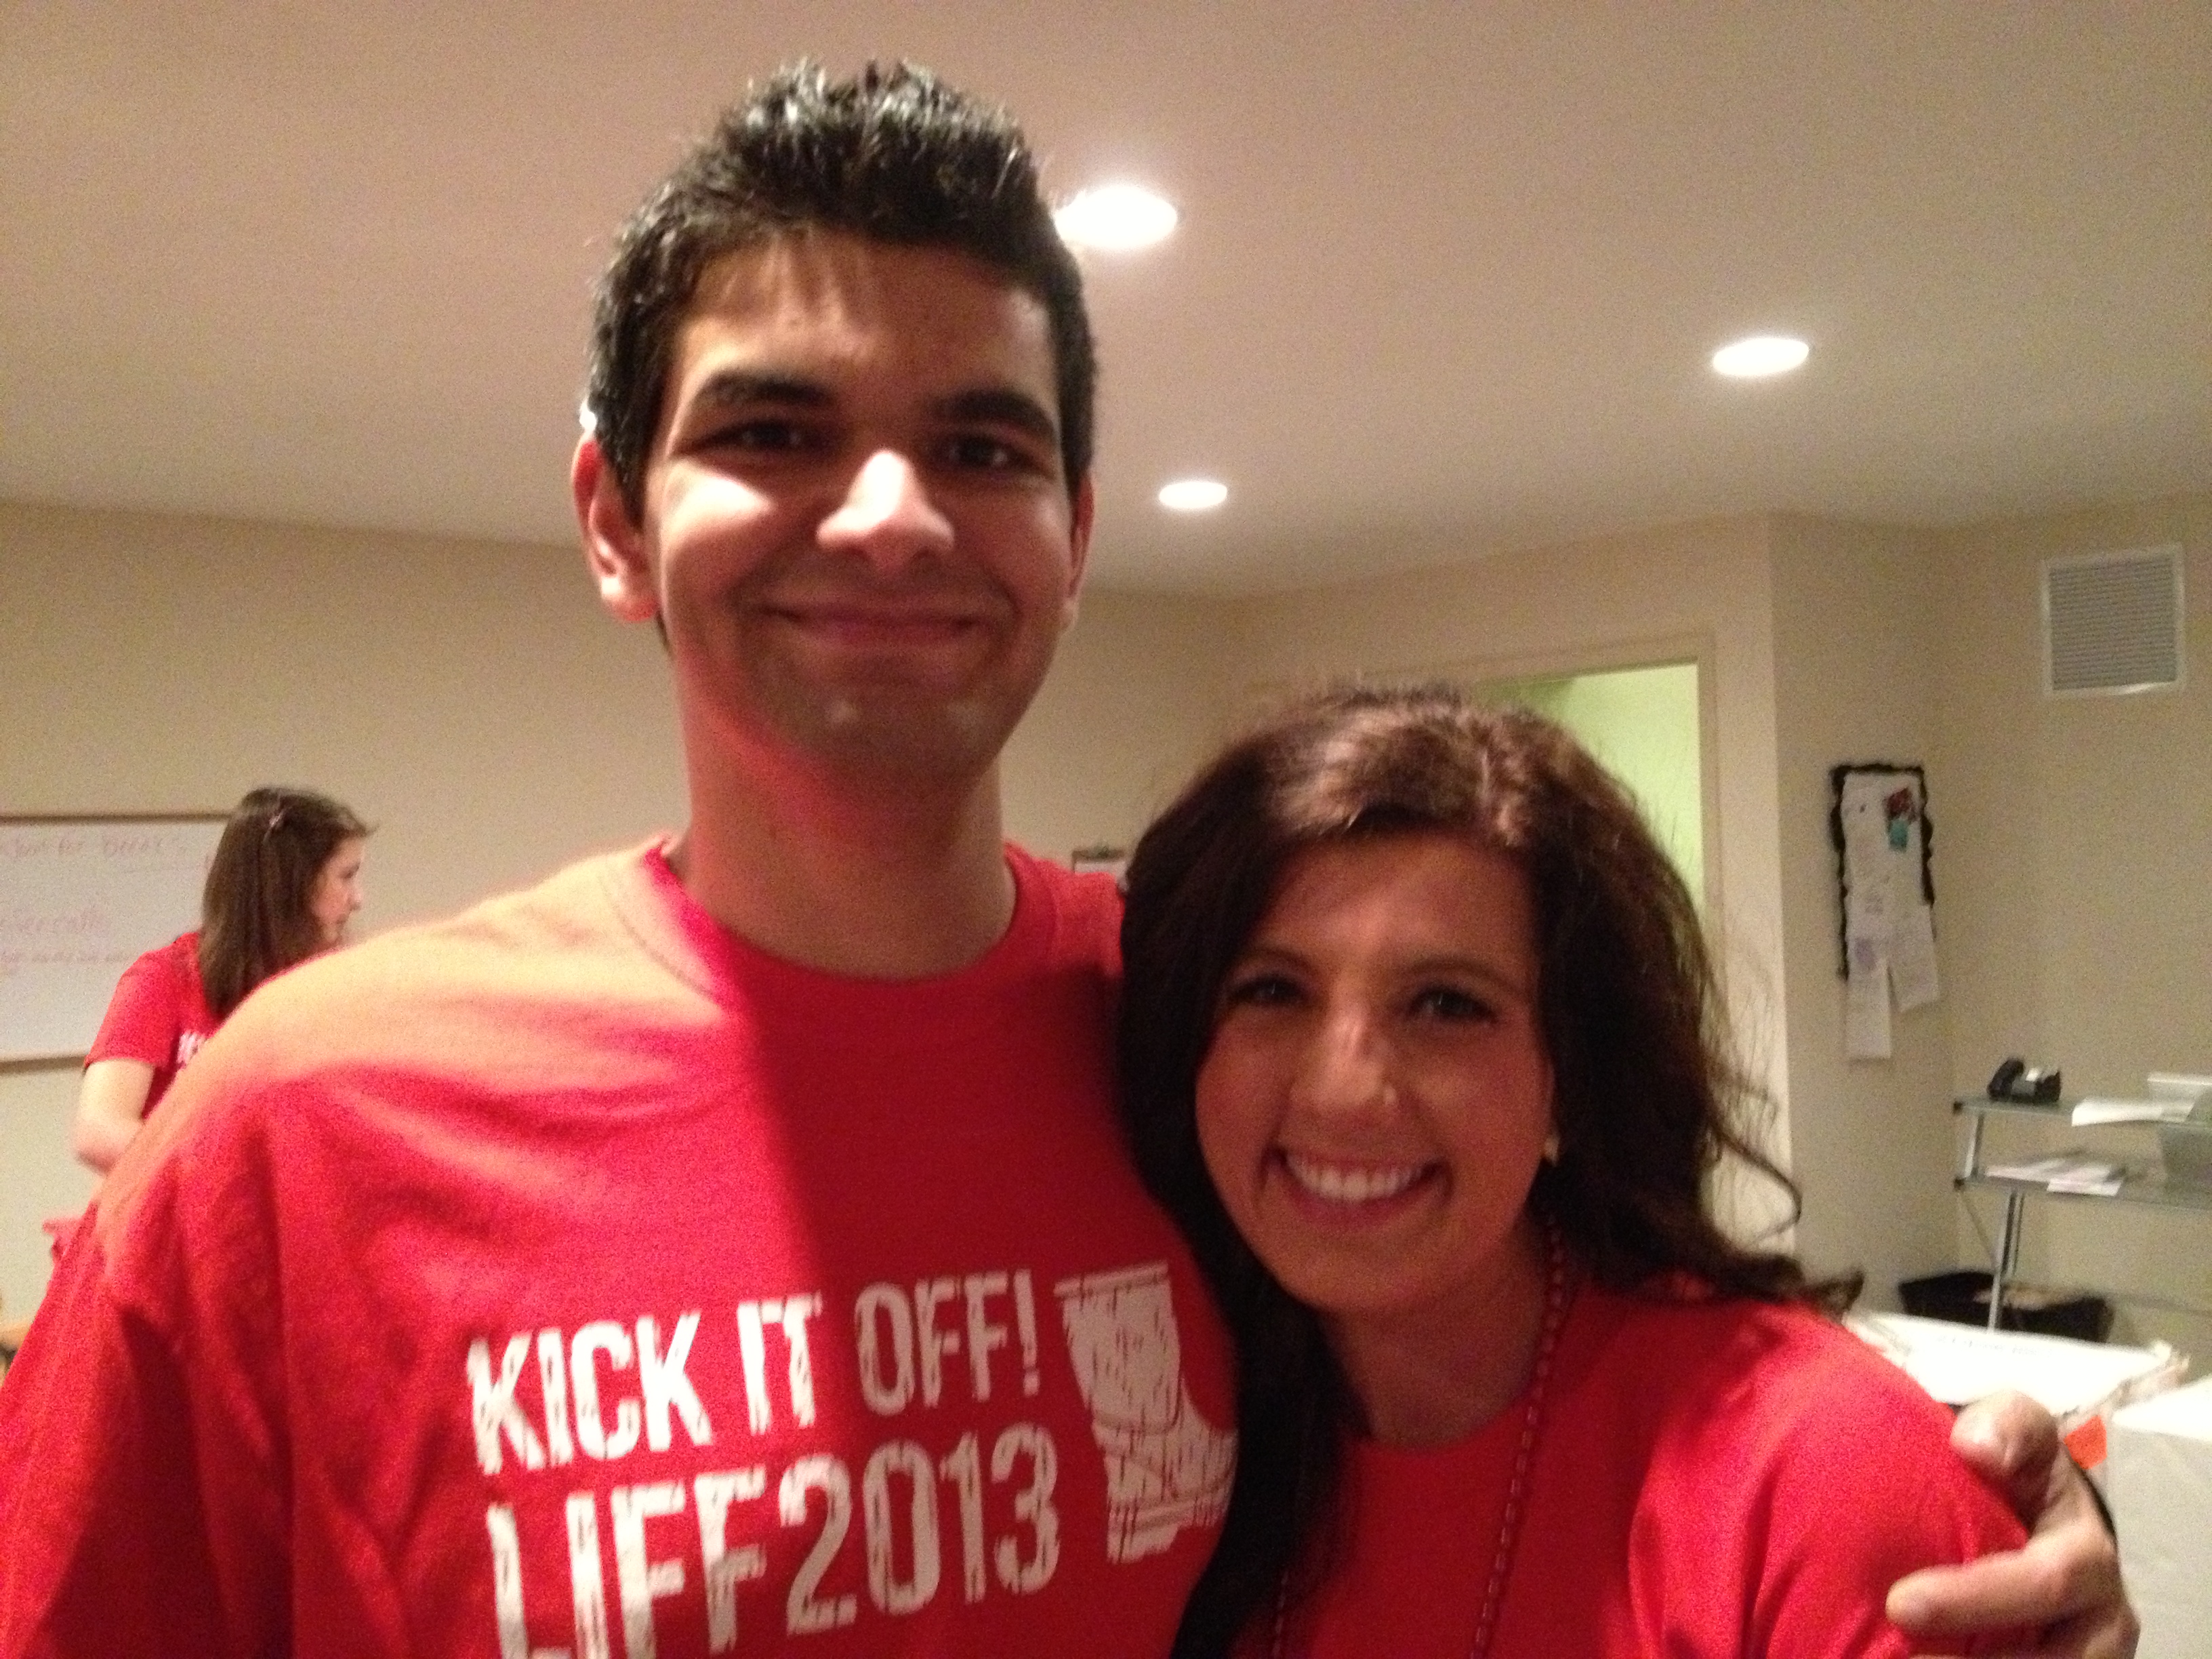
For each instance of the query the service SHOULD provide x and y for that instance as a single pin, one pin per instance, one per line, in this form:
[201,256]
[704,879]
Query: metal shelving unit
[2137,1185]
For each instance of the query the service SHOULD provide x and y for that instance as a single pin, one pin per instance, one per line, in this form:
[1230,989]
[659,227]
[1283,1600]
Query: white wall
[1854,649]
[1136,700]
[2074,869]
[470,699]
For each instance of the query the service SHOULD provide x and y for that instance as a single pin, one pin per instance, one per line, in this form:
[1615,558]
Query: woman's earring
[1551,1147]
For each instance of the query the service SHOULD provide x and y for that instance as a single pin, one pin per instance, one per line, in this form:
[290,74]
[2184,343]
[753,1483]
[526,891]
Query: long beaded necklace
[1524,1457]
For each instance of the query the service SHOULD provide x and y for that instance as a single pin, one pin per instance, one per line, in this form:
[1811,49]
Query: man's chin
[913,740]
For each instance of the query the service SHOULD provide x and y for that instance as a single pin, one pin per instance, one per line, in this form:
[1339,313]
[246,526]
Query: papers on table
[2072,1381]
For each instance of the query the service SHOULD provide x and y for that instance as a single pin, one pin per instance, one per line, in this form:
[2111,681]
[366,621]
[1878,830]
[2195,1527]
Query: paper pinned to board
[1866,1002]
[1889,928]
[1913,959]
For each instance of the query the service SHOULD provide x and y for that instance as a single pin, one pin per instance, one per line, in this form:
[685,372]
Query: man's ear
[1082,507]
[614,545]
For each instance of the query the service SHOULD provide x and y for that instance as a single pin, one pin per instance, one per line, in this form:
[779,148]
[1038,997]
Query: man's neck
[889,881]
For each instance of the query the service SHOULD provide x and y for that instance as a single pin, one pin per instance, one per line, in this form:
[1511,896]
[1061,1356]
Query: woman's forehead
[1434,886]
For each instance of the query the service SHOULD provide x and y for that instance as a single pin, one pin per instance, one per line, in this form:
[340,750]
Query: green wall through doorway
[1642,726]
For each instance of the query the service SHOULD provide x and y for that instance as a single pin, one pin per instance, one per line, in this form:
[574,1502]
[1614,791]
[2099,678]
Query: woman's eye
[1261,991]
[1448,1002]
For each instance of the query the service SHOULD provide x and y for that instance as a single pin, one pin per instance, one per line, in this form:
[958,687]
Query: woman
[284,881]
[1422,1046]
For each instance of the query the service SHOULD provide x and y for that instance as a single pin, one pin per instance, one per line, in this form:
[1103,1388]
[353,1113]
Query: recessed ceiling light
[1115,219]
[1193,495]
[1760,356]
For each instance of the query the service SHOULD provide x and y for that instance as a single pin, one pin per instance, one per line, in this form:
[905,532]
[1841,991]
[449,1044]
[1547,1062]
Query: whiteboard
[80,899]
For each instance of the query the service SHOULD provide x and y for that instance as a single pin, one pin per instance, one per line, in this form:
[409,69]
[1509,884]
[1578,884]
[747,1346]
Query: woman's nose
[1347,1067]
[887,515]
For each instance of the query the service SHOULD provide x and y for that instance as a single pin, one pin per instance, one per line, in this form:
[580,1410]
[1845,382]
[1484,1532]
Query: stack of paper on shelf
[2066,1172]
[2133,1111]
[2179,1085]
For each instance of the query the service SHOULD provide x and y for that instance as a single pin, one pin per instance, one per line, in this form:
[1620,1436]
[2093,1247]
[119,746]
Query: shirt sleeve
[1813,1476]
[143,1021]
[1867,1497]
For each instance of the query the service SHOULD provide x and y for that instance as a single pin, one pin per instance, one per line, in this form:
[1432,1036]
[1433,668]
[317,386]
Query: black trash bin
[1963,1298]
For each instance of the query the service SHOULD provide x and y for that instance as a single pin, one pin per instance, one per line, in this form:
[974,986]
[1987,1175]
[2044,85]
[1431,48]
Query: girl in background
[284,881]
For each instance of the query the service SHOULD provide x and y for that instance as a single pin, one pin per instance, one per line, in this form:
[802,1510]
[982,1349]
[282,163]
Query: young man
[727,1246]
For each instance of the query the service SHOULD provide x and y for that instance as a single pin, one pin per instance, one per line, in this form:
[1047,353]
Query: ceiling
[1447,280]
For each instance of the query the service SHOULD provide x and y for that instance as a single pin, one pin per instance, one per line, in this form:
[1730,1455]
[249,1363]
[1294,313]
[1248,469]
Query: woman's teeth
[1348,1184]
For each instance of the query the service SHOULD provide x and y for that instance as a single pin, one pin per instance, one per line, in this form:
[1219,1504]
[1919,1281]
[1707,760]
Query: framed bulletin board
[81,898]
[1878,821]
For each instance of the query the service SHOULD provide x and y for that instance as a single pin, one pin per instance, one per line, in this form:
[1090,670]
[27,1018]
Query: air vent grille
[2111,622]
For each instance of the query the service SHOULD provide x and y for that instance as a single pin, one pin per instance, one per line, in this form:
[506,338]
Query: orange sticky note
[2087,1442]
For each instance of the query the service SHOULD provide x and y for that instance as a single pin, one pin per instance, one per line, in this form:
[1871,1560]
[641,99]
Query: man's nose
[887,515]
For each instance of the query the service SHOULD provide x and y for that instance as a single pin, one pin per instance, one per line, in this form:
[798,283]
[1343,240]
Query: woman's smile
[1353,1185]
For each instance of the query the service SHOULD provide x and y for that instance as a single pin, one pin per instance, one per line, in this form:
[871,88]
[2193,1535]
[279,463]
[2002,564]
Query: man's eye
[768,437]
[984,453]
